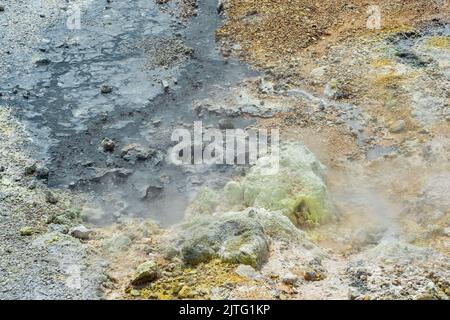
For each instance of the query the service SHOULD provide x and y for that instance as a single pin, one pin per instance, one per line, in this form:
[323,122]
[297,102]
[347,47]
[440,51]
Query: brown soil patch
[273,31]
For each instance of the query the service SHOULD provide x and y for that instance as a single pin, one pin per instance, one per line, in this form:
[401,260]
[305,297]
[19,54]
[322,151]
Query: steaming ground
[85,123]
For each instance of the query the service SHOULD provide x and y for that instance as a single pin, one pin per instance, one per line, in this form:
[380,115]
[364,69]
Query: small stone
[318,72]
[26,231]
[30,169]
[145,272]
[289,279]
[108,145]
[312,276]
[81,232]
[105,89]
[165,85]
[135,293]
[117,244]
[2,8]
[92,215]
[42,172]
[51,198]
[225,124]
[398,126]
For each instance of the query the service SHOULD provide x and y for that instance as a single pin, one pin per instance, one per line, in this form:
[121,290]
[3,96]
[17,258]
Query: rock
[435,190]
[108,145]
[319,72]
[234,238]
[93,215]
[2,8]
[30,169]
[398,126]
[247,272]
[81,232]
[58,228]
[204,203]
[332,90]
[165,85]
[42,172]
[105,89]
[225,124]
[26,231]
[116,244]
[135,293]
[289,279]
[133,152]
[50,197]
[26,95]
[145,272]
[220,7]
[150,192]
[185,293]
[297,188]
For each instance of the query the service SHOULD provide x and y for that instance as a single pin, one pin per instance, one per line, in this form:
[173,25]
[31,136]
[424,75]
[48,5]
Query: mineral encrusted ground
[359,209]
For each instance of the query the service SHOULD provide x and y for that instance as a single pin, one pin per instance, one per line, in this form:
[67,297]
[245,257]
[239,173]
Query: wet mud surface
[155,68]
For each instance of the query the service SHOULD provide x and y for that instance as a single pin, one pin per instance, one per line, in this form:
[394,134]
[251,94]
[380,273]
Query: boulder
[232,237]
[298,189]
[145,272]
[108,145]
[80,232]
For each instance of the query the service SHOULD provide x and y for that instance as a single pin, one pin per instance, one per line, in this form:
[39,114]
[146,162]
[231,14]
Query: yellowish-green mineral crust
[204,203]
[298,188]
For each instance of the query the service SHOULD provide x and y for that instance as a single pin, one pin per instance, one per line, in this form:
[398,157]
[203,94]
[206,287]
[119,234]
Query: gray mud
[136,48]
